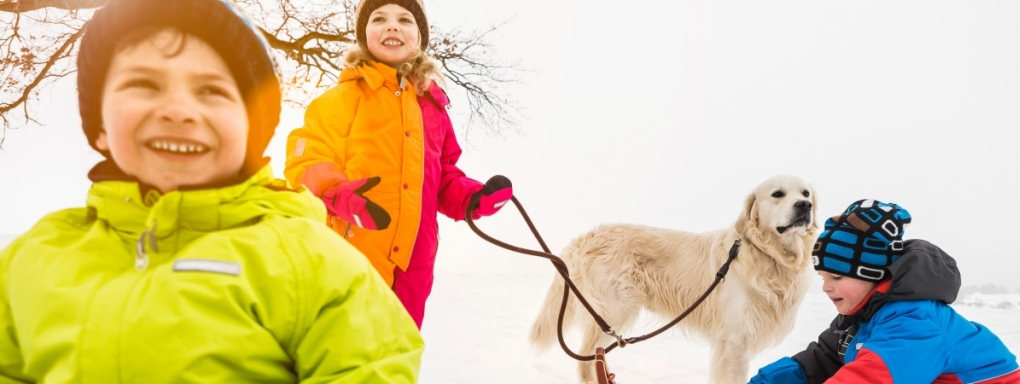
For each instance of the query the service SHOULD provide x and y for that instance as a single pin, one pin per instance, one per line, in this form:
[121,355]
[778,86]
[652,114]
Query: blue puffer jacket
[905,333]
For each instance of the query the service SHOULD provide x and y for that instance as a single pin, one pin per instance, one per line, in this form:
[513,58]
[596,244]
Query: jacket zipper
[141,256]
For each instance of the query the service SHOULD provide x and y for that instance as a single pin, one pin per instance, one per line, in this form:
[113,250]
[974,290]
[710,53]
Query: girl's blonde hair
[421,69]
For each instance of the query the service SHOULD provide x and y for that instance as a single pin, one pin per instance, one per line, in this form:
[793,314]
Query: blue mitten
[783,371]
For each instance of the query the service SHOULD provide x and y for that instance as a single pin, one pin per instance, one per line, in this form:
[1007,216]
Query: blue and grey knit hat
[863,241]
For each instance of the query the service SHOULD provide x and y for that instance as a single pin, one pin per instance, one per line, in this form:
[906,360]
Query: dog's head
[781,212]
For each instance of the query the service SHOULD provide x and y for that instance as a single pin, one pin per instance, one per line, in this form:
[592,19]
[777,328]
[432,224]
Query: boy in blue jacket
[895,323]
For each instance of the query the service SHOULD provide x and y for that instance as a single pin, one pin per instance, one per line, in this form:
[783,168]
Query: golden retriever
[623,268]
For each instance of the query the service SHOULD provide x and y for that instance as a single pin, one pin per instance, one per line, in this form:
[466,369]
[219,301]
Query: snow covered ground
[485,299]
[476,328]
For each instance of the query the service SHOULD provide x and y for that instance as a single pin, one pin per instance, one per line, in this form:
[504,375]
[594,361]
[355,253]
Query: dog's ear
[749,216]
[814,207]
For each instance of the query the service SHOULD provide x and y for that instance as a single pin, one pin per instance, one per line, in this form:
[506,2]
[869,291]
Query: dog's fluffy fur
[623,268]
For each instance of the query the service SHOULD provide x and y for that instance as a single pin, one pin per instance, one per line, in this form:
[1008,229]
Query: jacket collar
[375,74]
[107,170]
[880,289]
[132,210]
[924,272]
[866,308]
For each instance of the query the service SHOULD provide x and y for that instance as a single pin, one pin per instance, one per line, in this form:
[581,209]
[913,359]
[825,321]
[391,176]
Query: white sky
[668,114]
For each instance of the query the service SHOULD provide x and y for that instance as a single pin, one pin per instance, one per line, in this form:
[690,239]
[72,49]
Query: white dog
[623,268]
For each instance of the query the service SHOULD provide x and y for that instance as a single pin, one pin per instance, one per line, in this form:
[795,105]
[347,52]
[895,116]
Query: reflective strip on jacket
[350,132]
[238,284]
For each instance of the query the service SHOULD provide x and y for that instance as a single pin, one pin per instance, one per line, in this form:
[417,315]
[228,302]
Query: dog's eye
[806,193]
[778,194]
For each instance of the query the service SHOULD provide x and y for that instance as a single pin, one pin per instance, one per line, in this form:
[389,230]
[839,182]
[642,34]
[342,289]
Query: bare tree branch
[44,73]
[468,63]
[22,6]
[311,38]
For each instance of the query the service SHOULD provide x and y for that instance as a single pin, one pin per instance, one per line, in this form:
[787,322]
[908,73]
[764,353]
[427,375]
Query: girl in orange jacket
[380,151]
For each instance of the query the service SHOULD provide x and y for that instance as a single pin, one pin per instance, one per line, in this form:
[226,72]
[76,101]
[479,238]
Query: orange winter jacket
[350,133]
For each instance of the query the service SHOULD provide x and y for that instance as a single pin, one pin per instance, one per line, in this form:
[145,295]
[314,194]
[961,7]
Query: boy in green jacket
[191,263]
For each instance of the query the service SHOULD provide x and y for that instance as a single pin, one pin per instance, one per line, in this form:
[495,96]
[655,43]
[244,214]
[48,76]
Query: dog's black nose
[802,205]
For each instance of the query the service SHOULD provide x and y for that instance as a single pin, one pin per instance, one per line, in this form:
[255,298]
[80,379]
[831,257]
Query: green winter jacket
[241,284]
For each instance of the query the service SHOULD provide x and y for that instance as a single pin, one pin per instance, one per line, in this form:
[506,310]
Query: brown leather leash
[602,374]
[602,370]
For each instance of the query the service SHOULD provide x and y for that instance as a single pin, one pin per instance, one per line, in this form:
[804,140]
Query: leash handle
[602,373]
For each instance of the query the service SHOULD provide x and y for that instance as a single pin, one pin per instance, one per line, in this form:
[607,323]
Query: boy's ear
[101,142]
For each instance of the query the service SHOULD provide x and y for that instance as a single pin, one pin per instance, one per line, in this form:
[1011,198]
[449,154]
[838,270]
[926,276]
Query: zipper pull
[141,259]
[402,81]
[141,256]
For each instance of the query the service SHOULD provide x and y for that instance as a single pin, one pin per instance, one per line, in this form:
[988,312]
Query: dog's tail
[543,331]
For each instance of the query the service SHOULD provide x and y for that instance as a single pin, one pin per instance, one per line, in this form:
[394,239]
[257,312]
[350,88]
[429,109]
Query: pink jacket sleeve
[455,189]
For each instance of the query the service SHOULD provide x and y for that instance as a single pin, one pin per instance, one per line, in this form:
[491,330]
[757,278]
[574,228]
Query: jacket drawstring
[401,86]
[142,257]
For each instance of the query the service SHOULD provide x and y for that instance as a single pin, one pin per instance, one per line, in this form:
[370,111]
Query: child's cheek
[232,127]
[120,111]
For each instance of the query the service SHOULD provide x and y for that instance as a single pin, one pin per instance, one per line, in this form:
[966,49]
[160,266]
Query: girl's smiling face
[392,35]
[172,112]
[846,293]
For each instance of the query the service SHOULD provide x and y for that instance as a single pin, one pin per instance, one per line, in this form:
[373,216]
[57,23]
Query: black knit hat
[365,8]
[217,22]
[863,241]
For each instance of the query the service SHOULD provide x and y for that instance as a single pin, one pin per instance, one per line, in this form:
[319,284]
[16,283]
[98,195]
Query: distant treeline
[988,289]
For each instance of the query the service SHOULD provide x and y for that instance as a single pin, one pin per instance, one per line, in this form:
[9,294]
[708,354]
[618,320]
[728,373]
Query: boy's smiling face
[392,34]
[172,113]
[845,292]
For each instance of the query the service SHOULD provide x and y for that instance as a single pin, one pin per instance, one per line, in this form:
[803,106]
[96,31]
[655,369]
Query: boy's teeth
[178,147]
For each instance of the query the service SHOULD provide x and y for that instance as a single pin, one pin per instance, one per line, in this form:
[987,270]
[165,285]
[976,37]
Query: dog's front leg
[591,338]
[729,363]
